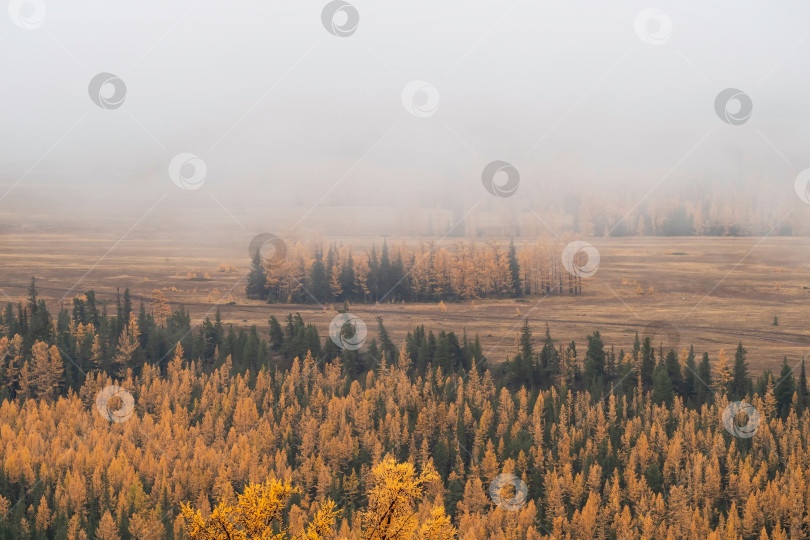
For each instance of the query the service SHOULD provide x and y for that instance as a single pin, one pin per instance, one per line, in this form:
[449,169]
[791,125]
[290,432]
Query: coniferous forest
[128,422]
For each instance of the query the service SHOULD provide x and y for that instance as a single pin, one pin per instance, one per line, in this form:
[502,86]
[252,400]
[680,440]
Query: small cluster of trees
[421,273]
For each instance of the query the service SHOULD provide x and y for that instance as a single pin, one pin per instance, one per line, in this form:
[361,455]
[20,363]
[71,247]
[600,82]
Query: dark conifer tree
[802,389]
[257,279]
[674,371]
[127,307]
[689,382]
[662,385]
[647,363]
[524,360]
[276,334]
[441,359]
[784,389]
[514,271]
[595,358]
[32,296]
[610,367]
[704,381]
[374,356]
[739,382]
[348,281]
[373,278]
[386,345]
[386,281]
[549,361]
[319,280]
[91,309]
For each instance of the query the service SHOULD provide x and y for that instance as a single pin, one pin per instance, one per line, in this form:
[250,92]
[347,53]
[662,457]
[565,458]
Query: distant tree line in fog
[413,273]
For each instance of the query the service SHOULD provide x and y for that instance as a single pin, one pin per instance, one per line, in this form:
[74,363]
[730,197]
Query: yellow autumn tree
[127,345]
[42,376]
[392,514]
[257,513]
[161,310]
[107,529]
[723,372]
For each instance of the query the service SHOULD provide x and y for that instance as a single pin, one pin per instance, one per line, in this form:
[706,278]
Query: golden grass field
[714,291]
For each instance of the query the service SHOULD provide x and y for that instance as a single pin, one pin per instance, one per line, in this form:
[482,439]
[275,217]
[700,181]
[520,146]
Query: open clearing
[714,291]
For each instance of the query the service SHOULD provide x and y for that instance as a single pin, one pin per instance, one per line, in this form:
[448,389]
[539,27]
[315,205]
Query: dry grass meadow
[714,291]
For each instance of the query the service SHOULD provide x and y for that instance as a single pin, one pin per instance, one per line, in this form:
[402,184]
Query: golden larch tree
[107,529]
[257,513]
[392,500]
[161,310]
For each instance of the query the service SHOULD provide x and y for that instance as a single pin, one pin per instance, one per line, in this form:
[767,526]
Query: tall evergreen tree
[39,323]
[387,346]
[802,389]
[347,280]
[441,358]
[689,381]
[549,361]
[674,371]
[91,309]
[386,278]
[257,279]
[514,271]
[647,363]
[319,279]
[704,383]
[276,334]
[126,309]
[595,358]
[739,382]
[662,385]
[32,296]
[526,348]
[523,364]
[610,367]
[784,389]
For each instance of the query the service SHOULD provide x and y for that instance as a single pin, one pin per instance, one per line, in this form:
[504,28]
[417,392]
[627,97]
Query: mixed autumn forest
[351,270]
[125,420]
[405,387]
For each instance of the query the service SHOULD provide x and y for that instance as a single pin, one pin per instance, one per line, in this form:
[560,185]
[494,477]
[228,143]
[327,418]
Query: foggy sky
[284,113]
